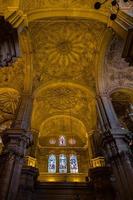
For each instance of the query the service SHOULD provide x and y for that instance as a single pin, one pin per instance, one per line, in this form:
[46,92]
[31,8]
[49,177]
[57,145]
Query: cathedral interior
[66,99]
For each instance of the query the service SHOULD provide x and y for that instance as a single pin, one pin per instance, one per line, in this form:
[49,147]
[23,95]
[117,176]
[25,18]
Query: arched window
[62,141]
[62,163]
[52,164]
[73,164]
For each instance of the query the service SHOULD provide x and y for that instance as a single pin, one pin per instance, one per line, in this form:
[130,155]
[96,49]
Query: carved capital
[16,141]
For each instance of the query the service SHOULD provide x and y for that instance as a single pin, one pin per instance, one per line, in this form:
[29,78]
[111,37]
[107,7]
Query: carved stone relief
[39,4]
[63,100]
[13,76]
[127,7]
[62,125]
[117,69]
[9,99]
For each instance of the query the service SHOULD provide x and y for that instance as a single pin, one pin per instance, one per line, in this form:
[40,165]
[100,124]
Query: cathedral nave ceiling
[65,51]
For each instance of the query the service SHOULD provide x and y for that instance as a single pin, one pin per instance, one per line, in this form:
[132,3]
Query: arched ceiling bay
[64,99]
[65,50]
[62,8]
[67,126]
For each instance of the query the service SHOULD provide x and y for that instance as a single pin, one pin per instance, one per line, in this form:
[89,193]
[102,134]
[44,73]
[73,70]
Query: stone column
[16,141]
[100,179]
[27,183]
[115,147]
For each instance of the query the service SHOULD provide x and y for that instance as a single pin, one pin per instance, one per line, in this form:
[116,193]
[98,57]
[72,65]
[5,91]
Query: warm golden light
[97,162]
[30,161]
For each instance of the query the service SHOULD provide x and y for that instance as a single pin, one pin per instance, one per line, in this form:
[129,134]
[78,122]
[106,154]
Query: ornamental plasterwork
[9,99]
[62,125]
[13,76]
[118,71]
[28,5]
[127,7]
[65,50]
[63,100]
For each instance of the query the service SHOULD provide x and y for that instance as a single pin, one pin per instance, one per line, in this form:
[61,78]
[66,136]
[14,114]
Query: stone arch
[68,126]
[63,98]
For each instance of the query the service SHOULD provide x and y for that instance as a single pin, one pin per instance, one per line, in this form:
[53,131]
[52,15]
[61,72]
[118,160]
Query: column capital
[16,141]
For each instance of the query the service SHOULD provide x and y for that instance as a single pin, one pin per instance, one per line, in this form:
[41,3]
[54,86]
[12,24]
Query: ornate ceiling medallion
[64,47]
[65,50]
[62,98]
[9,99]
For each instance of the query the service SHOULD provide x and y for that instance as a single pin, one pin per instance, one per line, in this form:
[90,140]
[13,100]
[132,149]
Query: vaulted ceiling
[64,69]
[62,52]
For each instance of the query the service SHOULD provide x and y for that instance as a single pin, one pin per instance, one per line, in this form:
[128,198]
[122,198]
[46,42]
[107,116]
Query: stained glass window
[52,164]
[62,141]
[73,164]
[62,163]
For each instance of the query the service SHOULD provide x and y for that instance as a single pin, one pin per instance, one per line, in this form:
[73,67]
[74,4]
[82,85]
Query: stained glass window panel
[73,164]
[52,164]
[62,141]
[62,163]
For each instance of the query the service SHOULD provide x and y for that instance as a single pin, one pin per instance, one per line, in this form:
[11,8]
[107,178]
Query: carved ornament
[65,50]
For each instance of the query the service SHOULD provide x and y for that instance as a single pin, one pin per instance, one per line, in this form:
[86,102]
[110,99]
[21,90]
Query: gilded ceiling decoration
[64,50]
[28,5]
[13,76]
[63,99]
[62,125]
[117,69]
[9,99]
